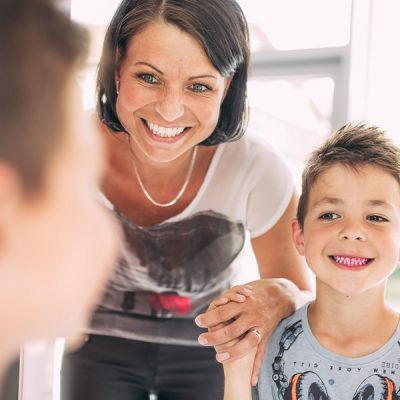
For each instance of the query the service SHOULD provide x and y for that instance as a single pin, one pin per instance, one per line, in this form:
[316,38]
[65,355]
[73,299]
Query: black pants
[109,368]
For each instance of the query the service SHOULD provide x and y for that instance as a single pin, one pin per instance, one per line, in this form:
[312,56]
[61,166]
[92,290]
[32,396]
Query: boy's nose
[351,237]
[352,233]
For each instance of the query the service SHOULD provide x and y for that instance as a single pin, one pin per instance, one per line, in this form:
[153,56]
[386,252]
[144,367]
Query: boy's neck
[352,326]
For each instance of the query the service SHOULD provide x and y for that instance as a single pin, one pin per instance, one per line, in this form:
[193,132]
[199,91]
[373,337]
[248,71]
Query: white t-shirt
[168,273]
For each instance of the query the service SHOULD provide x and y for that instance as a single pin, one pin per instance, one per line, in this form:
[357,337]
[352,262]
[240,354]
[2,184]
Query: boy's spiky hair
[352,145]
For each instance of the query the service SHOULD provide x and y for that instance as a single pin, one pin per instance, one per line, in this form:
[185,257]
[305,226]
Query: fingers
[258,362]
[226,333]
[219,314]
[240,349]
[237,294]
[217,302]
[232,296]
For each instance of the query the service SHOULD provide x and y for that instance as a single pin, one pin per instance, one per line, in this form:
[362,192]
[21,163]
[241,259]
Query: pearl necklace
[180,193]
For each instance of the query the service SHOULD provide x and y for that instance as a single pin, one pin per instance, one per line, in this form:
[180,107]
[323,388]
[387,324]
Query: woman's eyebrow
[149,65]
[162,73]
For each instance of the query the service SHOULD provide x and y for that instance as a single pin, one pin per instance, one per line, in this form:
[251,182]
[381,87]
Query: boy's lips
[351,262]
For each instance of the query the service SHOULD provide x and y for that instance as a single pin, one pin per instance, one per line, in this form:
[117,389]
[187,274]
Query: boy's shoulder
[298,318]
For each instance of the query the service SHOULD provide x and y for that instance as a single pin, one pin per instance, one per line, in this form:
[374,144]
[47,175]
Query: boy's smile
[351,235]
[351,262]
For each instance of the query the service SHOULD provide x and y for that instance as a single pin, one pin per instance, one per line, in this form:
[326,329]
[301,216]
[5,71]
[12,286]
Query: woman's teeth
[351,261]
[162,131]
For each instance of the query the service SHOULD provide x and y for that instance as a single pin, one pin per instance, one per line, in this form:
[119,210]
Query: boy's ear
[297,236]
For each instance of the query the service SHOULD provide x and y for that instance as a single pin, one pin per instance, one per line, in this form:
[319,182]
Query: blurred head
[218,26]
[40,49]
[352,146]
[57,243]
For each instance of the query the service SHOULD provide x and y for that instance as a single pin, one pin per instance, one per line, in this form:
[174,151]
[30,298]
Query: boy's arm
[238,377]
[237,372]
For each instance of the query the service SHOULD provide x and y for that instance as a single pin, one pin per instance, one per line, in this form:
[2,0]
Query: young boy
[346,343]
[57,243]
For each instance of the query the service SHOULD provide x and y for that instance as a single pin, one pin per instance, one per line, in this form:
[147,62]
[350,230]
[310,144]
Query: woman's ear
[117,68]
[298,236]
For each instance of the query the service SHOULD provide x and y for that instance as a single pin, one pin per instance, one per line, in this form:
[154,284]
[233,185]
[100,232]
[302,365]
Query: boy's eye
[329,216]
[148,78]
[199,87]
[377,218]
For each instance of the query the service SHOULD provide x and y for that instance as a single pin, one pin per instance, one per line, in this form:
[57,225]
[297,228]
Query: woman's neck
[352,326]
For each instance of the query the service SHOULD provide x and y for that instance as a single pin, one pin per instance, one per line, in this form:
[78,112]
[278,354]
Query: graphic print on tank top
[175,268]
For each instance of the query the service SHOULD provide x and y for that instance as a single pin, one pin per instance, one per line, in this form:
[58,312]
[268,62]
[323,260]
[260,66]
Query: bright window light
[93,12]
[291,24]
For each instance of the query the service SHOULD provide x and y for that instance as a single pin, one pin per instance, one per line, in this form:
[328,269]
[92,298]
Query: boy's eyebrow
[381,203]
[335,200]
[328,200]
[162,73]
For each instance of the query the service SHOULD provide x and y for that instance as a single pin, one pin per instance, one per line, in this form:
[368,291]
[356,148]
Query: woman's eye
[329,216]
[377,218]
[199,88]
[148,78]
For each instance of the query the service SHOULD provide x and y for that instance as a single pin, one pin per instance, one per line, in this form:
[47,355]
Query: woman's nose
[170,106]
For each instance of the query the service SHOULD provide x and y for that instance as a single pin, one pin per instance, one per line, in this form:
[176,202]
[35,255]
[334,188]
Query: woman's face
[61,242]
[169,93]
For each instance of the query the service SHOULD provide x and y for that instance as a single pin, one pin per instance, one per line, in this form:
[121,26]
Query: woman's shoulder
[253,152]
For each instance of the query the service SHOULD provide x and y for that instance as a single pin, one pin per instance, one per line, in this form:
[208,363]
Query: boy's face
[60,244]
[351,234]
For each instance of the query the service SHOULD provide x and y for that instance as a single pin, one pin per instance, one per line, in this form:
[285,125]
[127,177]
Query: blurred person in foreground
[57,242]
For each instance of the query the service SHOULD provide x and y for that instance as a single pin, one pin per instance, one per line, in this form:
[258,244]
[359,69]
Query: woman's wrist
[288,296]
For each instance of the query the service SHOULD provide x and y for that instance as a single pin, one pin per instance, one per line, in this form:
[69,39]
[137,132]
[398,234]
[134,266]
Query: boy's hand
[238,371]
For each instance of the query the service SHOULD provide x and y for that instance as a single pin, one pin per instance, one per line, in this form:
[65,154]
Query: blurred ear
[11,191]
[297,236]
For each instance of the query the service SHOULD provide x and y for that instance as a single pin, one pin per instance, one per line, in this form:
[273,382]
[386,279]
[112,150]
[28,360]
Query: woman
[171,94]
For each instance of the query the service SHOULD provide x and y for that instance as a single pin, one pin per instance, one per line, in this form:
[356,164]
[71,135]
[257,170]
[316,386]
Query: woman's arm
[285,286]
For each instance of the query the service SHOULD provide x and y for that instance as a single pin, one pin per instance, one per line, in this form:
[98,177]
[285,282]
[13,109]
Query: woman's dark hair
[218,25]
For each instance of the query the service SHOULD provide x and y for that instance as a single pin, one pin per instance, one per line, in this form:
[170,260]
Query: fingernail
[203,341]
[222,356]
[255,380]
[198,322]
